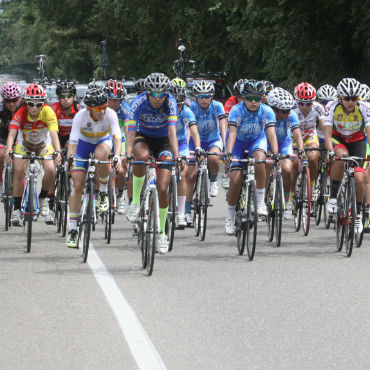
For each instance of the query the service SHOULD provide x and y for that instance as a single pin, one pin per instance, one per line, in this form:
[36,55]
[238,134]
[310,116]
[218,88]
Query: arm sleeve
[114,125]
[172,111]
[269,119]
[50,118]
[76,126]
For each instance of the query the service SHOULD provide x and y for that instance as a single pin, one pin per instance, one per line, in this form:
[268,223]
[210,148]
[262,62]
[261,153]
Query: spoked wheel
[171,215]
[29,211]
[203,207]
[251,220]
[278,210]
[108,215]
[350,216]
[359,237]
[87,225]
[270,219]
[151,232]
[306,201]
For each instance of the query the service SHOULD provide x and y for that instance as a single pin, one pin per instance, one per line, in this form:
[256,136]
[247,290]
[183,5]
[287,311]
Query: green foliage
[283,41]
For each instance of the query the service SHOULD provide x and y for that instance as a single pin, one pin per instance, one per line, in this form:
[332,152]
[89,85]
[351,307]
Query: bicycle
[88,208]
[275,200]
[246,216]
[30,204]
[302,198]
[7,195]
[148,225]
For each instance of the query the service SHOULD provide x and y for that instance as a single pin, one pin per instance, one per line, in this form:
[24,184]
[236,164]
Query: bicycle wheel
[359,237]
[306,201]
[141,236]
[339,222]
[297,203]
[64,202]
[278,209]
[196,205]
[151,231]
[317,204]
[87,225]
[204,206]
[350,215]
[108,215]
[270,219]
[8,196]
[29,210]
[171,215]
[251,220]
[240,221]
[57,198]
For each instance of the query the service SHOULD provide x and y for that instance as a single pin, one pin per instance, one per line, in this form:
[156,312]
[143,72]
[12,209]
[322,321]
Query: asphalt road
[299,306]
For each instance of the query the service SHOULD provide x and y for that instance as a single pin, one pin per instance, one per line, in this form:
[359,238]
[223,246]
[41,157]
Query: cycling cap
[280,99]
[304,92]
[95,97]
[203,87]
[348,87]
[327,92]
[157,82]
[364,91]
[140,85]
[65,87]
[11,90]
[178,89]
[115,89]
[34,91]
[253,87]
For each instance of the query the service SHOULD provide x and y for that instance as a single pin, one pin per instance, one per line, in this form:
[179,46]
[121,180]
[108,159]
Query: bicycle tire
[141,236]
[306,201]
[241,229]
[350,216]
[108,216]
[171,215]
[196,207]
[57,204]
[8,197]
[151,231]
[251,220]
[317,205]
[270,219]
[297,204]
[278,209]
[87,225]
[65,202]
[29,214]
[204,199]
[359,237]
[339,222]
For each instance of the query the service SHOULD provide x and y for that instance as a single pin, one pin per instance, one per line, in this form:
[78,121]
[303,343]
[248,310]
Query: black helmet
[65,87]
[253,87]
[140,85]
[157,82]
[95,97]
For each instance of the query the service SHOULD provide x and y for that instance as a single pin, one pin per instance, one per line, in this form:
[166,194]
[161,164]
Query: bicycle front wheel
[270,219]
[298,203]
[171,215]
[29,210]
[151,231]
[340,220]
[240,222]
[108,216]
[306,201]
[278,210]
[251,220]
[350,214]
[7,197]
[87,225]
[204,206]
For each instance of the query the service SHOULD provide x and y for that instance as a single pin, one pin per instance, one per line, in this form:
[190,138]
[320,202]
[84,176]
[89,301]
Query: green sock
[162,219]
[137,185]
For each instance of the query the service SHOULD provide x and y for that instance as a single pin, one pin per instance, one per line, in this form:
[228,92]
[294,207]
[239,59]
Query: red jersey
[64,122]
[229,104]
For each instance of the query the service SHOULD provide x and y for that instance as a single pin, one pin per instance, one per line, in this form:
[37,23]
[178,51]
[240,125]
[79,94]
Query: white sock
[260,195]
[181,199]
[103,184]
[230,211]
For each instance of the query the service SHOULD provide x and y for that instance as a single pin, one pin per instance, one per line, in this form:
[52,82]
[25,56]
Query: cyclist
[186,122]
[364,92]
[210,116]
[345,122]
[268,87]
[93,130]
[286,126]
[116,96]
[65,110]
[11,93]
[152,130]
[140,86]
[37,128]
[237,98]
[251,124]
[310,114]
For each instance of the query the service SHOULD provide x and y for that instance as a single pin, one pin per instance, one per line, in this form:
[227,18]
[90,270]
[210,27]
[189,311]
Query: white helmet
[364,91]
[157,82]
[348,87]
[280,99]
[327,92]
[203,87]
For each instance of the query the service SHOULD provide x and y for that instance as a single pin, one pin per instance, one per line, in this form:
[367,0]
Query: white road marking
[142,348]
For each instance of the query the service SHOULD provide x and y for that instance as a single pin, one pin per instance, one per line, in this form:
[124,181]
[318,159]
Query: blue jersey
[208,121]
[123,112]
[150,121]
[285,126]
[186,119]
[251,125]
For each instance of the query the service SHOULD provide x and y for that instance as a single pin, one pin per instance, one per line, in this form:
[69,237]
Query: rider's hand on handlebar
[330,155]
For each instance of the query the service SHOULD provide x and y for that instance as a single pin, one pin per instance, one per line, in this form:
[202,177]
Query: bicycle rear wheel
[29,210]
[270,219]
[252,220]
[306,201]
[350,215]
[171,215]
[87,225]
[278,209]
[151,231]
[204,206]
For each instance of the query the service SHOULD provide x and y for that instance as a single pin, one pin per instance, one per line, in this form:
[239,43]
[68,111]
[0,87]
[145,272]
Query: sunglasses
[12,100]
[115,97]
[322,101]
[99,109]
[204,96]
[66,96]
[349,98]
[284,111]
[159,95]
[251,98]
[32,104]
[305,104]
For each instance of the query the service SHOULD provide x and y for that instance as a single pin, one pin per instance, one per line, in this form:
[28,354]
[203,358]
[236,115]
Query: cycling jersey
[233,100]
[64,121]
[250,125]
[34,132]
[86,129]
[308,123]
[285,126]
[208,120]
[186,119]
[150,121]
[347,127]
[123,112]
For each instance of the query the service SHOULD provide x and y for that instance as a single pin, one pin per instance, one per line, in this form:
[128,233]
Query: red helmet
[34,91]
[115,90]
[304,92]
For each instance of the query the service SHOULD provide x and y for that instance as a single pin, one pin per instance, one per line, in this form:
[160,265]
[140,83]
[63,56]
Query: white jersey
[94,132]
